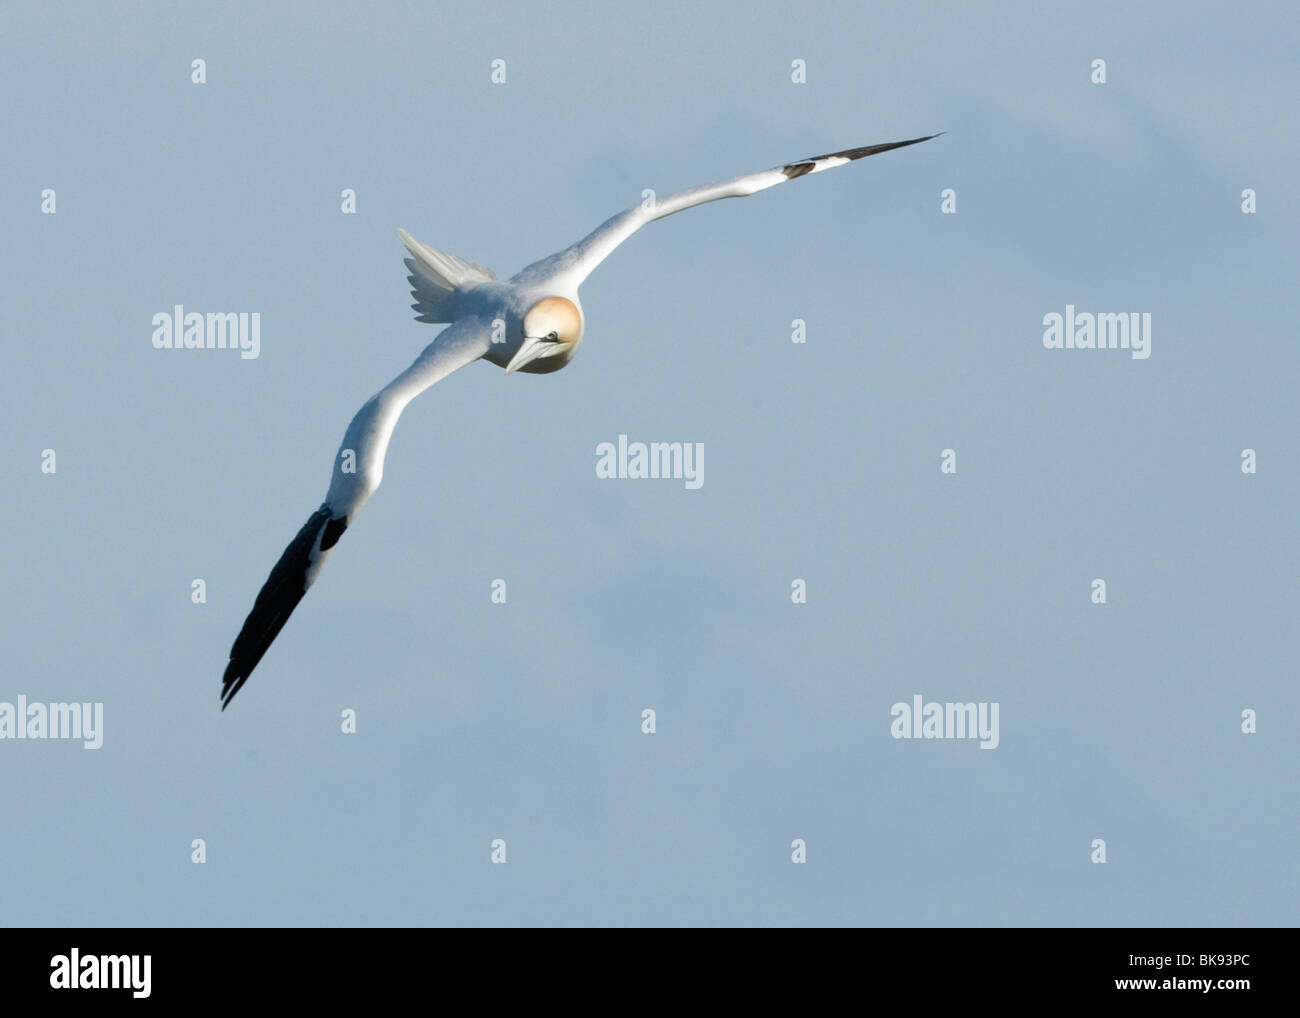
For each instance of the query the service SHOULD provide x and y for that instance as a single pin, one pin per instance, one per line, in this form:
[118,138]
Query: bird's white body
[532,322]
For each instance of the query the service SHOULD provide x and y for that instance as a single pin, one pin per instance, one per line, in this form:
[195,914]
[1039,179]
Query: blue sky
[522,721]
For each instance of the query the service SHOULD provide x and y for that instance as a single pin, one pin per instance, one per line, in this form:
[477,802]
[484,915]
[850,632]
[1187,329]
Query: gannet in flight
[543,328]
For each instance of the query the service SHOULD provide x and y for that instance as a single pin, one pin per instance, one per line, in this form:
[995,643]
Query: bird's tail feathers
[436,278]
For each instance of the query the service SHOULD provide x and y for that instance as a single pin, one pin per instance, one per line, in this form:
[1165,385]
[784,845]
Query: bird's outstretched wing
[575,263]
[358,469]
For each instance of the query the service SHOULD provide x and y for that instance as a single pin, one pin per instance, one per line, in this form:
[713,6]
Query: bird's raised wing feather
[576,263]
[438,279]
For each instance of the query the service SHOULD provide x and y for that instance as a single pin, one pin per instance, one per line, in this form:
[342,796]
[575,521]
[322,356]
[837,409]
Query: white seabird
[543,328]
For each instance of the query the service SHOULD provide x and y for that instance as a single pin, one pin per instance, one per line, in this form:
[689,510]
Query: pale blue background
[479,721]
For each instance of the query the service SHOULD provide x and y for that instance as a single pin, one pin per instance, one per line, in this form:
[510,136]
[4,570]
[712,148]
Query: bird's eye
[552,337]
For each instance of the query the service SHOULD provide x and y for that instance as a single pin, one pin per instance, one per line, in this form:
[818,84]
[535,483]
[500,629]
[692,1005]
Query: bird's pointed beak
[533,348]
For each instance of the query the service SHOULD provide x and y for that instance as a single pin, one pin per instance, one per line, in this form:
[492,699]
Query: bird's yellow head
[552,331]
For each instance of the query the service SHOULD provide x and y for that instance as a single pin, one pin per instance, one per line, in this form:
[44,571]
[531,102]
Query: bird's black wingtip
[231,682]
[811,164]
[283,589]
[870,150]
